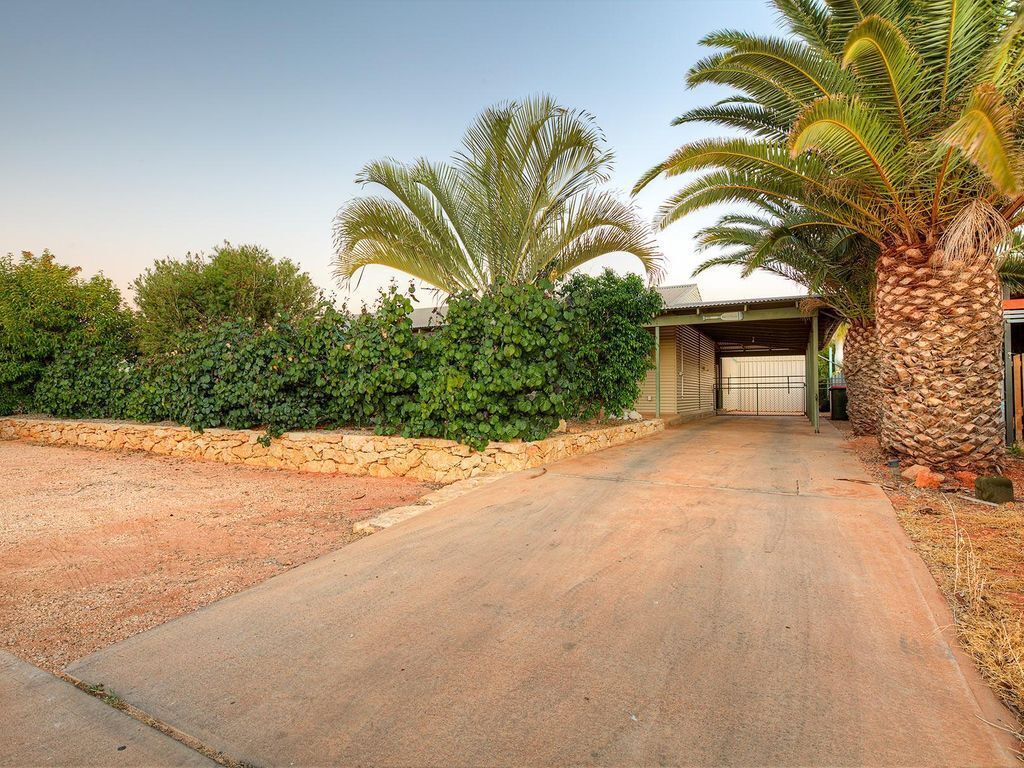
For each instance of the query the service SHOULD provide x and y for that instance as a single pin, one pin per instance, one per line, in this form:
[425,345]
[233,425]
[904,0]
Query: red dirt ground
[96,546]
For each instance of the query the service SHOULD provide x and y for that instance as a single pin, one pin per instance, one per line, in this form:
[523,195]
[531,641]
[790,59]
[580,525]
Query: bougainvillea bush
[507,364]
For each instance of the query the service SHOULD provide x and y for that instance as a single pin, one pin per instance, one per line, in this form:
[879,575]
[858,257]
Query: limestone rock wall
[427,459]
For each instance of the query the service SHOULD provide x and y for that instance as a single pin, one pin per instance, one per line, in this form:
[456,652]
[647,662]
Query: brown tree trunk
[939,330]
[860,369]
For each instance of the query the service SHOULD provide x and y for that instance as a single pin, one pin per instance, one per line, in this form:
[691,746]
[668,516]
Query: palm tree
[522,200]
[1011,270]
[894,119]
[836,266]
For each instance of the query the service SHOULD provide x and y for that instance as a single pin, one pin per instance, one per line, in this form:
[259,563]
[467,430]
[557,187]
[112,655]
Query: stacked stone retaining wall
[427,459]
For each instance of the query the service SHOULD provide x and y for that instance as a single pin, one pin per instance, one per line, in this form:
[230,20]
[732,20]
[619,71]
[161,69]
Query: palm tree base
[860,369]
[939,329]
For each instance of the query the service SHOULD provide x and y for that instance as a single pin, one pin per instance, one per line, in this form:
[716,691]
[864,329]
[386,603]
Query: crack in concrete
[662,483]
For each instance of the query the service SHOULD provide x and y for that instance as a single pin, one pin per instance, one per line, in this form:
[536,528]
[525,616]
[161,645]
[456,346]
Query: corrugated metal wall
[767,384]
[687,374]
[696,362]
[688,355]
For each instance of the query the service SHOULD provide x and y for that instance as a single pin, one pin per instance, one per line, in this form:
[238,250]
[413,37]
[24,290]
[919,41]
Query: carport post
[814,371]
[657,371]
[807,380]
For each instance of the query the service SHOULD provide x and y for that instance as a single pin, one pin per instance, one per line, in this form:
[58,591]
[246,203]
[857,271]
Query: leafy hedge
[498,368]
[509,364]
[613,348]
[54,325]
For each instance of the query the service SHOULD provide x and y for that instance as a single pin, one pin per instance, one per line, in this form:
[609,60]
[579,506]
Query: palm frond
[1003,65]
[954,37]
[857,144]
[889,70]
[1011,266]
[752,118]
[835,265]
[808,21]
[519,198]
[985,133]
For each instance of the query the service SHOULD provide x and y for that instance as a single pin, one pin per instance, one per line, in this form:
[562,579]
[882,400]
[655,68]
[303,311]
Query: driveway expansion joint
[712,487]
[99,691]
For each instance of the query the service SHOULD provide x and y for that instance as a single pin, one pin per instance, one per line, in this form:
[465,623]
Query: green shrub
[373,368]
[502,366]
[90,382]
[496,369]
[176,297]
[49,314]
[613,349]
[239,374]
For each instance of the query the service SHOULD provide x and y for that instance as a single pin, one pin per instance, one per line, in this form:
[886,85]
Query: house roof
[425,317]
[725,305]
[674,296]
[679,295]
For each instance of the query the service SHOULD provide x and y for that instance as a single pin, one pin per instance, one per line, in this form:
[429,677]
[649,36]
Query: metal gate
[780,395]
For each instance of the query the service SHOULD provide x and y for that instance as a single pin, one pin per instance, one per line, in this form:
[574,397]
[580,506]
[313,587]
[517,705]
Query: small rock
[633,416]
[928,479]
[994,488]
[966,479]
[911,472]
[562,426]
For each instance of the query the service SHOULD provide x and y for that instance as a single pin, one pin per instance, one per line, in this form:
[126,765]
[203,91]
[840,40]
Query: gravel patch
[96,546]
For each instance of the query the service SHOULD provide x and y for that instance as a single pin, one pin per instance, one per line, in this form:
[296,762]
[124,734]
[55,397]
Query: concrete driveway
[715,595]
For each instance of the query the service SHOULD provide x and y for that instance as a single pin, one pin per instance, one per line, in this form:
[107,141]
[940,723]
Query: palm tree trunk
[860,368]
[939,331]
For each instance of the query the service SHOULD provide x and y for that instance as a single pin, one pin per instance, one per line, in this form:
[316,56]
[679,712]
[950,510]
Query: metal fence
[762,395]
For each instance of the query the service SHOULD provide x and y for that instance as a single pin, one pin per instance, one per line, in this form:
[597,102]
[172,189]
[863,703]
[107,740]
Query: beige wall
[687,375]
[669,377]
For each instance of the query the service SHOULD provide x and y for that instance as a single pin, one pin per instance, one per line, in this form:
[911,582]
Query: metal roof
[724,304]
[679,295]
[763,337]
[426,317]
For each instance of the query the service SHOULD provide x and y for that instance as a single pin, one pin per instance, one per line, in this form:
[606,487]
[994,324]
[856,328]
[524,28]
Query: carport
[782,326]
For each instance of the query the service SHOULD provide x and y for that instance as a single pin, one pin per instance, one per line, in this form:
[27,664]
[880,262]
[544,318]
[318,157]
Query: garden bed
[327,451]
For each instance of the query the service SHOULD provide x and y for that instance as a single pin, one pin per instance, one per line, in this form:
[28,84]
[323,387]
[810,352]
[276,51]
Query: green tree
[895,119]
[245,281]
[521,201]
[1011,270]
[47,312]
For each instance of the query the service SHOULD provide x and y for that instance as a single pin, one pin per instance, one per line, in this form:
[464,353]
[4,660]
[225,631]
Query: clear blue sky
[135,130]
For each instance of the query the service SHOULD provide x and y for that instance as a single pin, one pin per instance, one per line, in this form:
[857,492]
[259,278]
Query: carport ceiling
[759,337]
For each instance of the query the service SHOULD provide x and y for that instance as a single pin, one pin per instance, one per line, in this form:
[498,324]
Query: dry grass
[976,554]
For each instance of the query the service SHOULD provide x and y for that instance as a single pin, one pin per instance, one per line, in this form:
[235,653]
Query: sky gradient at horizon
[139,130]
